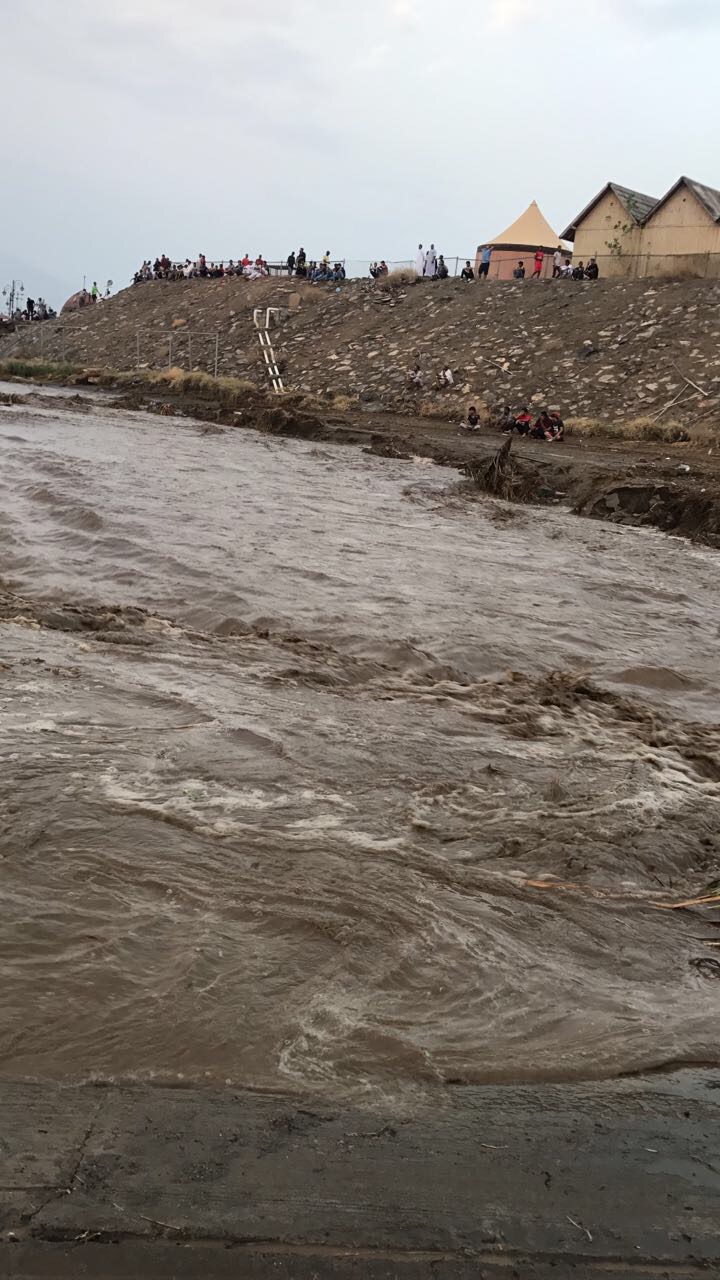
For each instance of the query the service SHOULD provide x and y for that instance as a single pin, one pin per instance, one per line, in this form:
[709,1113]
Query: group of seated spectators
[547,426]
[296,265]
[163,269]
[563,270]
[33,310]
[316,272]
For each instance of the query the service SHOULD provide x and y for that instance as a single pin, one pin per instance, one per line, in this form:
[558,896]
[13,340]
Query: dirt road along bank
[618,1179]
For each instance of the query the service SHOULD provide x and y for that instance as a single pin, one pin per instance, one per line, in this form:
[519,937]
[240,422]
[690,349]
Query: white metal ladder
[262,319]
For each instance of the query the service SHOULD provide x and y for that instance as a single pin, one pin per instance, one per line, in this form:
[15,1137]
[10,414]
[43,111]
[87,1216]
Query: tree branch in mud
[500,477]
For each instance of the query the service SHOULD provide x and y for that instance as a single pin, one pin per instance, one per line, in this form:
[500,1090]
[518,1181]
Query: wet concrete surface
[618,1179]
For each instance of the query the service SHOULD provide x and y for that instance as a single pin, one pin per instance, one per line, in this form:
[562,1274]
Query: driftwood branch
[690,381]
[679,396]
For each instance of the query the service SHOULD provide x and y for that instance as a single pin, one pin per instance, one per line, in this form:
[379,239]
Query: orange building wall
[504,262]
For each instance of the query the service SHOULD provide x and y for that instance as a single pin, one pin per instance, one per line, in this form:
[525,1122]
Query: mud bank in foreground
[618,1179]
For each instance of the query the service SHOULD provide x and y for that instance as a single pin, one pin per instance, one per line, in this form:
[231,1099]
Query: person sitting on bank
[519,272]
[579,271]
[543,429]
[467,272]
[472,422]
[557,427]
[507,420]
[442,271]
[592,271]
[567,269]
[521,423]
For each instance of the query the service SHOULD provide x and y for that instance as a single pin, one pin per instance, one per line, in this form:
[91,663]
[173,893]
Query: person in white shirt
[557,263]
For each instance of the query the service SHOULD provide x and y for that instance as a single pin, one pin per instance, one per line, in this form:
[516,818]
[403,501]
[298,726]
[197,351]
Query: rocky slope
[609,350]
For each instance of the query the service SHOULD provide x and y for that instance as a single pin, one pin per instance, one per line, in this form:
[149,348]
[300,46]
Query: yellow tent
[530,231]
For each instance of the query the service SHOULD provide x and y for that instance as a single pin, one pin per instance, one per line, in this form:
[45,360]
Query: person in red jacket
[539,260]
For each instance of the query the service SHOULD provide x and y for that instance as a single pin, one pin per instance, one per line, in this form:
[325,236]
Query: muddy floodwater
[286,732]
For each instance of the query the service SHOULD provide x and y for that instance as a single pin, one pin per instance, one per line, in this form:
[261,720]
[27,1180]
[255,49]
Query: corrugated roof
[709,198]
[635,203]
[531,230]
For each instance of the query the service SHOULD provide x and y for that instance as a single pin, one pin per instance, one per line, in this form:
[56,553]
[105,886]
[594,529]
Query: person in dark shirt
[543,429]
[467,272]
[291,263]
[519,272]
[442,271]
[473,419]
[521,423]
[592,271]
[557,427]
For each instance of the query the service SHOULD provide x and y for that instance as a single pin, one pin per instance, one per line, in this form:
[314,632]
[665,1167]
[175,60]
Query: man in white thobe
[420,262]
[430,262]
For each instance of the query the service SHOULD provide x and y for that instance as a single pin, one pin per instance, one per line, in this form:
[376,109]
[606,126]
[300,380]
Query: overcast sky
[144,126]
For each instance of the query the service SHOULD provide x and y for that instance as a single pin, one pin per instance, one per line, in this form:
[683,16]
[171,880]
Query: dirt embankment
[608,352]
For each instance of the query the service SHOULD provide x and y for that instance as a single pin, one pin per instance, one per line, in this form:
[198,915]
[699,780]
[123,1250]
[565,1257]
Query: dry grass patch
[402,275]
[641,428]
[38,370]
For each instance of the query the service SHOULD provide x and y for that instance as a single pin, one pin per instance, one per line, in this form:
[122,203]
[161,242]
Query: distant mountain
[37,280]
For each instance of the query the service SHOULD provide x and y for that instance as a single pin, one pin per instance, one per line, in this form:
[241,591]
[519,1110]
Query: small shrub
[402,275]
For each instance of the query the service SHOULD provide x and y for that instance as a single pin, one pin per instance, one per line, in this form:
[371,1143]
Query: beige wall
[682,225]
[680,239]
[600,229]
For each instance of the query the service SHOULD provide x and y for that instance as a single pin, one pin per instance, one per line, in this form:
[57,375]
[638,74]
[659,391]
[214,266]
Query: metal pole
[42,346]
[137,348]
[217,344]
[189,353]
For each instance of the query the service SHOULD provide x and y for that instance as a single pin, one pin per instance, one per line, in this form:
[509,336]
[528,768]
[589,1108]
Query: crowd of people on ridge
[296,264]
[563,268]
[429,265]
[40,310]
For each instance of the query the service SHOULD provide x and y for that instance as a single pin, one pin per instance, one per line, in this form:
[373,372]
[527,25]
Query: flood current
[289,828]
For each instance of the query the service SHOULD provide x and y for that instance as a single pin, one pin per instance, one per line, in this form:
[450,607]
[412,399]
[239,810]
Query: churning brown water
[279,835]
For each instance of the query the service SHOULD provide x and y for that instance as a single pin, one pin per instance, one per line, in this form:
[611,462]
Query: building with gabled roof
[614,198]
[632,234]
